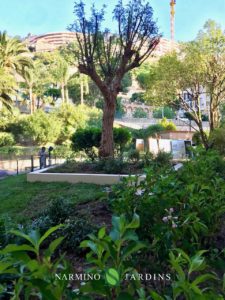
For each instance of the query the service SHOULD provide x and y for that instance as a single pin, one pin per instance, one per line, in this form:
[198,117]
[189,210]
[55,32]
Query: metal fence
[25,164]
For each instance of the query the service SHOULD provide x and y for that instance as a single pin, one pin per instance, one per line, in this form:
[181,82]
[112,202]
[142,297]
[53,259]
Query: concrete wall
[177,135]
[101,179]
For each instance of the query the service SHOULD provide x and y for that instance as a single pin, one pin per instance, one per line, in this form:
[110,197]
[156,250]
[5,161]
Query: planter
[100,179]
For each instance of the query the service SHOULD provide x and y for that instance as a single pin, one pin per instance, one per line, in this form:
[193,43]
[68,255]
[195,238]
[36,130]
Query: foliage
[166,112]
[119,108]
[189,285]
[126,82]
[217,139]
[33,269]
[76,117]
[110,254]
[111,166]
[6,139]
[40,128]
[177,208]
[197,70]
[121,137]
[163,159]
[137,97]
[76,226]
[7,86]
[140,113]
[85,140]
[142,74]
[107,60]
[167,125]
[133,155]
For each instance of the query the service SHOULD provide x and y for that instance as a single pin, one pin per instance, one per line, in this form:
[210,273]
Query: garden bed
[112,167]
[46,175]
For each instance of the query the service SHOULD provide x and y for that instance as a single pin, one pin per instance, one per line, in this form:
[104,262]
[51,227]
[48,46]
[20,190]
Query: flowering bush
[180,208]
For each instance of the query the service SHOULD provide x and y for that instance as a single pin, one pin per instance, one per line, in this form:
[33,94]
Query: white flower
[139,192]
[174,225]
[107,190]
[165,219]
[171,210]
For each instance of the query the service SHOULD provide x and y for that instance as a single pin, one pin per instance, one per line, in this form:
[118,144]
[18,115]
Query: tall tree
[106,57]
[211,43]
[13,60]
[7,89]
[197,71]
[13,54]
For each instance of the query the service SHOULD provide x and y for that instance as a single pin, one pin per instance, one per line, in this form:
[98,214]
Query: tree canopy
[106,56]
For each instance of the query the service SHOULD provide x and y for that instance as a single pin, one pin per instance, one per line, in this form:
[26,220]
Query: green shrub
[110,256]
[137,97]
[167,125]
[85,140]
[76,117]
[110,166]
[163,159]
[153,130]
[6,139]
[140,113]
[40,128]
[133,155]
[121,137]
[217,139]
[27,270]
[166,112]
[177,208]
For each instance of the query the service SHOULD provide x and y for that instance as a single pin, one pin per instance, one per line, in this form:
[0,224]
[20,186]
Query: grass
[22,200]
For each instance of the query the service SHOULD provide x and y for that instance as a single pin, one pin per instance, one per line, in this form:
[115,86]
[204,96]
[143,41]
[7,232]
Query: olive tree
[106,56]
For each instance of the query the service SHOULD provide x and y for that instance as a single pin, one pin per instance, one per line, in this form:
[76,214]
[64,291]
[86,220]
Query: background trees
[197,71]
[12,62]
[106,57]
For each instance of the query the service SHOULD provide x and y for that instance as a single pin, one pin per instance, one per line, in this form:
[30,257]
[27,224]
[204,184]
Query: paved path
[4,173]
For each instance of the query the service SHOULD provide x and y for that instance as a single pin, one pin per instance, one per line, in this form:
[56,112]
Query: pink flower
[174,225]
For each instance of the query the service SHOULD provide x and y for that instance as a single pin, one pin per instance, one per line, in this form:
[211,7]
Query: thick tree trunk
[106,149]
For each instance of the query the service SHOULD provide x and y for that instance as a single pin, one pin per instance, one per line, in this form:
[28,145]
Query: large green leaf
[132,248]
[14,248]
[49,232]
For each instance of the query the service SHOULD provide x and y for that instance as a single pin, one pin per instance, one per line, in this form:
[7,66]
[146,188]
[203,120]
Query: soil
[96,168]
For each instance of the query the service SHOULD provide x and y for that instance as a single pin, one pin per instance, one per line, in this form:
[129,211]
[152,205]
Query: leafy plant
[33,269]
[190,283]
[140,113]
[6,139]
[85,140]
[110,256]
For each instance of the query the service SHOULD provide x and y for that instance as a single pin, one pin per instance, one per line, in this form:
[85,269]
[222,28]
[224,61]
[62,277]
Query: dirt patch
[96,168]
[98,211]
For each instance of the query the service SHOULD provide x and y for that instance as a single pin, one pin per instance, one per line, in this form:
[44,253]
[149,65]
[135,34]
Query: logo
[112,277]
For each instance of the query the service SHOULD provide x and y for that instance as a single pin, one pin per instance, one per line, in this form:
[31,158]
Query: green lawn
[23,200]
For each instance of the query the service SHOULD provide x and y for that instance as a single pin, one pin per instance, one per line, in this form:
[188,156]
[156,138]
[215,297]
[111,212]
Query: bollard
[17,167]
[32,163]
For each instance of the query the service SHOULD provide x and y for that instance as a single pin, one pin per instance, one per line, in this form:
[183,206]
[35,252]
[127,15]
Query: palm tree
[13,54]
[7,89]
[62,75]
[29,77]
[13,59]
